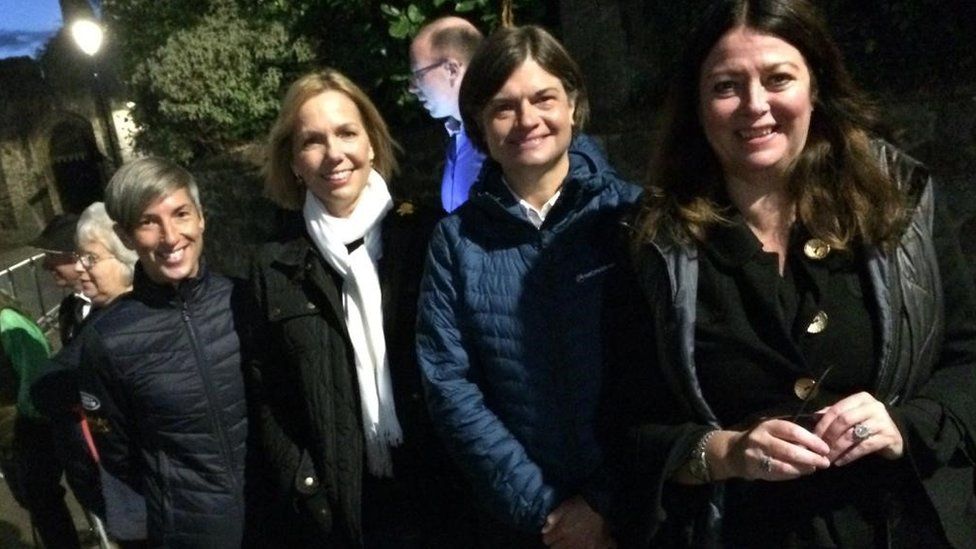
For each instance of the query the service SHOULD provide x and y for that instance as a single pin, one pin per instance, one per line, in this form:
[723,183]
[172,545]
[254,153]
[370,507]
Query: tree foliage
[203,81]
[207,74]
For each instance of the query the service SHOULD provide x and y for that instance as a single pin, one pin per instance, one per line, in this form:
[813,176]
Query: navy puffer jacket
[509,337]
[160,375]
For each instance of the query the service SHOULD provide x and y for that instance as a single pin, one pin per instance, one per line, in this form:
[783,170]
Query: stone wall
[30,110]
[22,94]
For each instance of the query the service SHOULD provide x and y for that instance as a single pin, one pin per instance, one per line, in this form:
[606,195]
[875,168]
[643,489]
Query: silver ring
[860,432]
[766,464]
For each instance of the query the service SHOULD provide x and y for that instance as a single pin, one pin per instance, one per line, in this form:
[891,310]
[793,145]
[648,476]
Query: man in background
[57,241]
[439,57]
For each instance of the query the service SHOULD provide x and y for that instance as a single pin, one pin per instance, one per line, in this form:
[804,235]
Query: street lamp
[88,36]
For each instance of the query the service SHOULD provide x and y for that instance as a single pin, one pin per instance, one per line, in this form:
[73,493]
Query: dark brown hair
[501,54]
[841,194]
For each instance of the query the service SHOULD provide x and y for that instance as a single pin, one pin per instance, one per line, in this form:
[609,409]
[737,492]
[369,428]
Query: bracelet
[698,465]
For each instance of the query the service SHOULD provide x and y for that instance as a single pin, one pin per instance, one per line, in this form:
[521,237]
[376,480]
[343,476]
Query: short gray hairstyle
[139,183]
[95,225]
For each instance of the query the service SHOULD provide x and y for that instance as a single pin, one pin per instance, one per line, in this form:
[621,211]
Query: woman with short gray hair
[139,183]
[104,264]
[106,267]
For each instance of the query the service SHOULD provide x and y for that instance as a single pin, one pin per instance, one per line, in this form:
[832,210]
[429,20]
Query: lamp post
[88,36]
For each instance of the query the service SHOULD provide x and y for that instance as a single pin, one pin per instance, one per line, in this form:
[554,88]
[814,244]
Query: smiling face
[105,279]
[168,238]
[756,101]
[528,124]
[331,151]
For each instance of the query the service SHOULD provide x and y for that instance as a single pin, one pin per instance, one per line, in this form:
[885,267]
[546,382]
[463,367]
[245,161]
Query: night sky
[26,24]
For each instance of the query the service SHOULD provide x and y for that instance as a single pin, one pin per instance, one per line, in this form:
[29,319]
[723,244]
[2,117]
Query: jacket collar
[297,248]
[190,289]
[584,180]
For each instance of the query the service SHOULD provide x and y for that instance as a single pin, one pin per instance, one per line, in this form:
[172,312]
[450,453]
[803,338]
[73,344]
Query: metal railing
[34,289]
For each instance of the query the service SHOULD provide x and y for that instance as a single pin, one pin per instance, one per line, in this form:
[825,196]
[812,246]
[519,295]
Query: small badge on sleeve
[89,402]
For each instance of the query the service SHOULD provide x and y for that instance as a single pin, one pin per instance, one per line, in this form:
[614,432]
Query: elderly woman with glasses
[105,268]
[104,265]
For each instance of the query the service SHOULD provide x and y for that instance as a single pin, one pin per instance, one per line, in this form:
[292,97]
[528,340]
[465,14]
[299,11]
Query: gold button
[816,248]
[818,324]
[805,388]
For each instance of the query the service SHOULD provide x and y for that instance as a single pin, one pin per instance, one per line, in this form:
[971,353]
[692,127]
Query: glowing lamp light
[88,35]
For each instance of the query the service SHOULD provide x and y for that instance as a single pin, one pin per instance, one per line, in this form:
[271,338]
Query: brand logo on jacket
[89,402]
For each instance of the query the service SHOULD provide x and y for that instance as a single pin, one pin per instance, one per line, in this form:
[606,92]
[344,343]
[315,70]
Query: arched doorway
[77,164]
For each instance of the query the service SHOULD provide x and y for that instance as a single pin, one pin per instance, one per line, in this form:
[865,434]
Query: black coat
[160,379]
[927,369]
[303,387]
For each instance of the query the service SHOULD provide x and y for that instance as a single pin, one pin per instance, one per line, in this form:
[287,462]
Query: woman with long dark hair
[812,317]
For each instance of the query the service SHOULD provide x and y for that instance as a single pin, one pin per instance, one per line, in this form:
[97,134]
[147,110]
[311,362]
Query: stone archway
[77,164]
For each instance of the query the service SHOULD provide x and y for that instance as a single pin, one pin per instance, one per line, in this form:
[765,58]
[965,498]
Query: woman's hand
[857,426]
[775,449]
[575,525]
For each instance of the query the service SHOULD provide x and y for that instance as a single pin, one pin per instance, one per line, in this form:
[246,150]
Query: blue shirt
[461,167]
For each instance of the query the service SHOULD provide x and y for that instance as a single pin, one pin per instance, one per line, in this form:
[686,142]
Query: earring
[299,179]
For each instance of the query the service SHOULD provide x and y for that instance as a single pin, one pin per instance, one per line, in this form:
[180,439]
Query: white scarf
[363,305]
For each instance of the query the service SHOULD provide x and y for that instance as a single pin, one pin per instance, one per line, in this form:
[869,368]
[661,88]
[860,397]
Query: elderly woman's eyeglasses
[87,260]
[418,75]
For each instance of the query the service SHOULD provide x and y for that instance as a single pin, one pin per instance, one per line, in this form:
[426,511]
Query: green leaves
[215,84]
[404,23]
[207,75]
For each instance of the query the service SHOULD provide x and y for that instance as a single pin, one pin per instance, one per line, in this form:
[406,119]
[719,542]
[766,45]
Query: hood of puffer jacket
[589,173]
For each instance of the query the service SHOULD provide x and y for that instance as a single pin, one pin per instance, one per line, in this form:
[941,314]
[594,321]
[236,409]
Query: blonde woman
[339,410]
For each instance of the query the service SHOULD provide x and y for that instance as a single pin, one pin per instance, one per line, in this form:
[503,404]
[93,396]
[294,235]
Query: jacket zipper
[208,388]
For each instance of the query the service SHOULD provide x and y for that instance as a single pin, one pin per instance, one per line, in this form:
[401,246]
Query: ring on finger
[860,432]
[766,464]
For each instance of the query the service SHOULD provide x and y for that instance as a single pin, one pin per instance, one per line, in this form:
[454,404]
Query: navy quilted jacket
[509,337]
[161,383]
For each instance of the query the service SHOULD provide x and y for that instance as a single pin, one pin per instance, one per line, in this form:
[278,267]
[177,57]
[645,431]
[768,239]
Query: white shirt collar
[453,126]
[536,216]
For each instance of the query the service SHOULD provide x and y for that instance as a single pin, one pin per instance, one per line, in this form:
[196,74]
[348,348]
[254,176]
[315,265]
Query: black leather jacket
[908,289]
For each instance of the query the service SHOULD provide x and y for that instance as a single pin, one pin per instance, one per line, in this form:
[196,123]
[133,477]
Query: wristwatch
[698,464]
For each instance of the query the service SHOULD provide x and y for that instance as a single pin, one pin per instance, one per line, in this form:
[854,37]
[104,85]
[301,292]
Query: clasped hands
[778,449]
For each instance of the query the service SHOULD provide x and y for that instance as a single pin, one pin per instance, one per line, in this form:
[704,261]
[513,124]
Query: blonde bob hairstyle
[280,183]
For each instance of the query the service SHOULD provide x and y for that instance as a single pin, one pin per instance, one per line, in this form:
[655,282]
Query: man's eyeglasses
[418,75]
[87,260]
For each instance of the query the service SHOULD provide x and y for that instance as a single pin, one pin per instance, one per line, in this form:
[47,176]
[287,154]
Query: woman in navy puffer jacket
[514,301]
